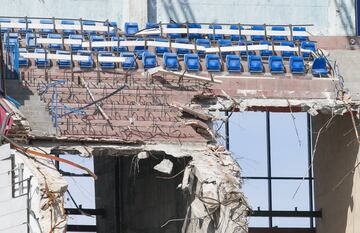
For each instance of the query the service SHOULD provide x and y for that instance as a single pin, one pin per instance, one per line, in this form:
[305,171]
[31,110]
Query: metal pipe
[268,145]
[310,174]
[227,131]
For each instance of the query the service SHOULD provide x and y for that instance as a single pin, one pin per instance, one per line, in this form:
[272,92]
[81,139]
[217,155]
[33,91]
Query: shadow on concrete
[346,20]
[175,10]
[137,198]
[335,158]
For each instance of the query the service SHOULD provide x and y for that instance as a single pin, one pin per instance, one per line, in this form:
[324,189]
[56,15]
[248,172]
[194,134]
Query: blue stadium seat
[161,50]
[5,29]
[106,65]
[233,63]
[95,38]
[150,26]
[174,35]
[30,40]
[194,35]
[139,50]
[170,61]
[225,43]
[119,48]
[215,36]
[41,62]
[76,47]
[297,65]
[276,64]
[265,52]
[203,42]
[68,31]
[149,60]
[63,63]
[278,38]
[23,61]
[182,41]
[300,38]
[131,28]
[308,45]
[46,31]
[212,62]
[11,39]
[24,30]
[287,54]
[243,53]
[192,62]
[86,64]
[255,64]
[54,46]
[130,62]
[112,28]
[89,23]
[319,67]
[237,37]
[257,37]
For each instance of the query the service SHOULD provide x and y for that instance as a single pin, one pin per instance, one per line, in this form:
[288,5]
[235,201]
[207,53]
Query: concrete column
[337,185]
[135,11]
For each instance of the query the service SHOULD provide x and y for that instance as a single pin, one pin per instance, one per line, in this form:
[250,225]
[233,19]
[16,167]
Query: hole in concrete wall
[134,196]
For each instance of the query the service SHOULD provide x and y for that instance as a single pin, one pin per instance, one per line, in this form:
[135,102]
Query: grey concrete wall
[348,61]
[331,17]
[87,9]
[337,184]
[115,10]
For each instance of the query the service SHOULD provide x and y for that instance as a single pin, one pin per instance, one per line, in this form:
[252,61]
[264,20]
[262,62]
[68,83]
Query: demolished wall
[41,204]
[210,195]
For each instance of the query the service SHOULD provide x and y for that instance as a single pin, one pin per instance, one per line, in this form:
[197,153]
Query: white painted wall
[13,211]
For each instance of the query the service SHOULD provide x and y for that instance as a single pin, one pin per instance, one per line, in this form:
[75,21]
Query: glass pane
[289,144]
[283,195]
[248,142]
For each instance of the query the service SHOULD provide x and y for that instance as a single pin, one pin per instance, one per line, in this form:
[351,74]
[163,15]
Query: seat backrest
[97,38]
[76,37]
[299,29]
[46,21]
[254,58]
[131,28]
[170,58]
[194,25]
[191,58]
[182,40]
[173,25]
[106,54]
[88,23]
[152,25]
[319,63]
[224,42]
[54,36]
[257,28]
[203,42]
[308,45]
[275,58]
[67,22]
[278,28]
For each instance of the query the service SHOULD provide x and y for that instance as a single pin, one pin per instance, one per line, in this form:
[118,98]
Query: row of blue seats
[255,64]
[192,62]
[31,43]
[132,28]
[112,26]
